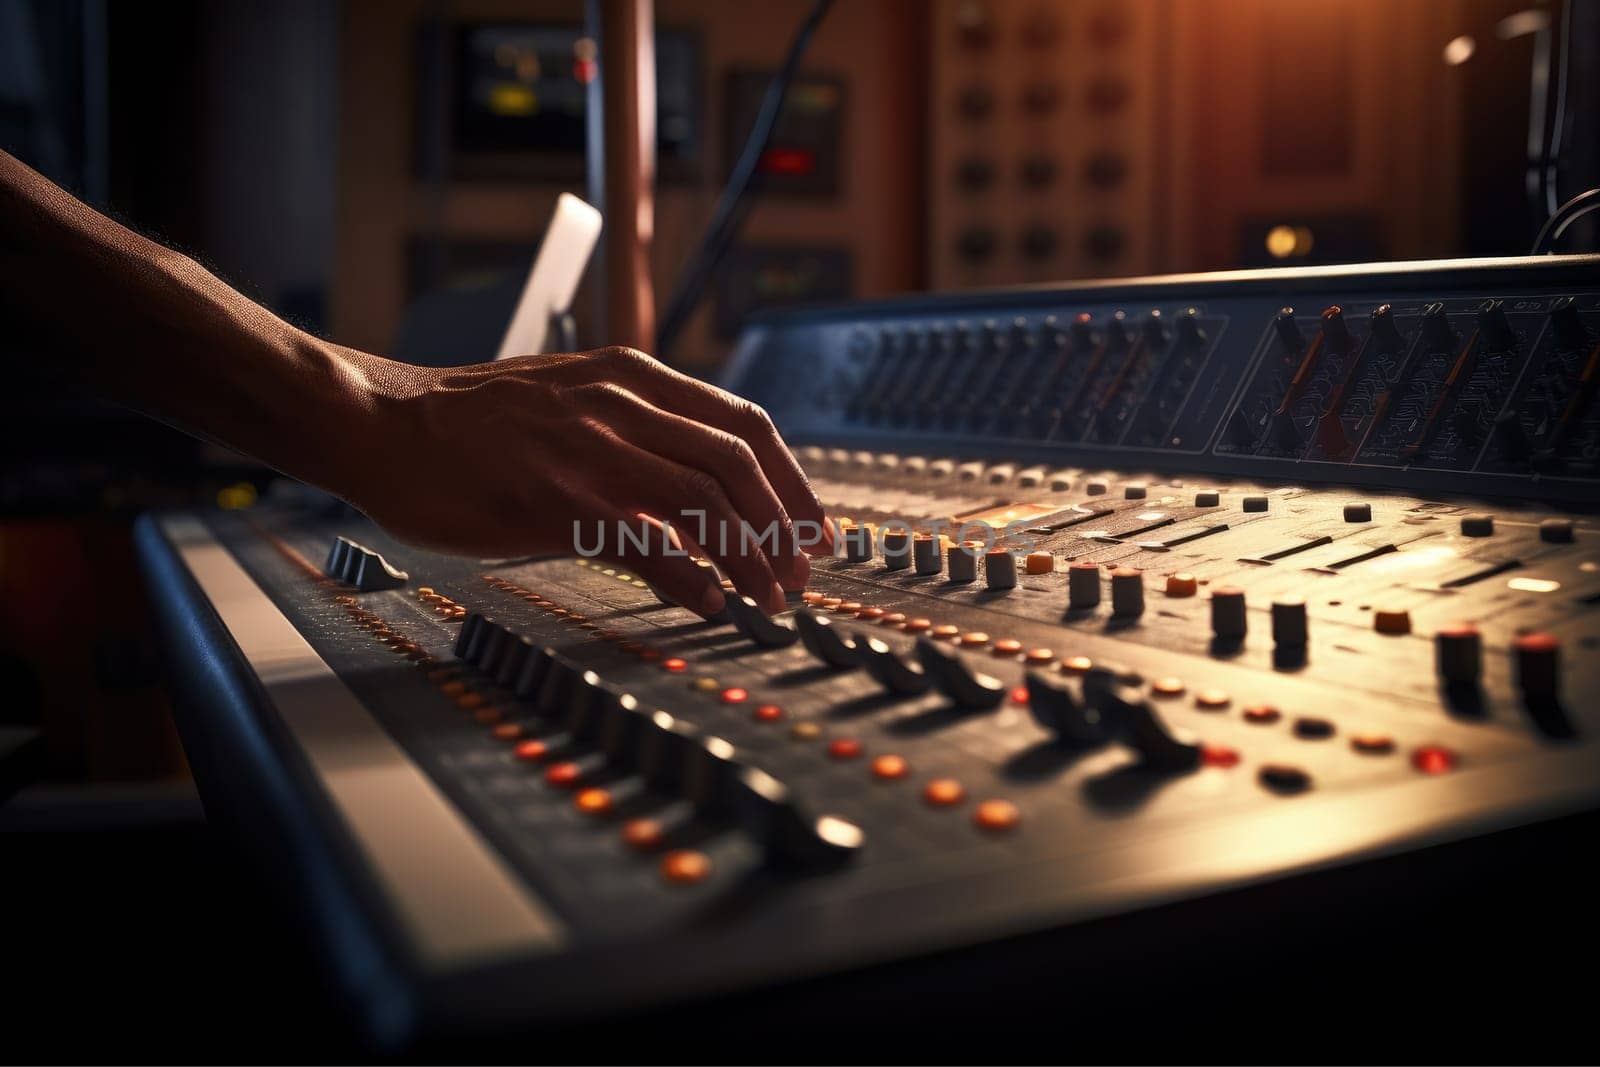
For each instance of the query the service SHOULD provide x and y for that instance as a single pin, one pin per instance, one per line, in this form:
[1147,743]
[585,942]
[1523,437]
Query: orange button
[685,866]
[997,815]
[1040,563]
[488,716]
[1040,655]
[870,613]
[768,713]
[734,695]
[593,801]
[1076,665]
[1211,699]
[1391,621]
[1182,585]
[1372,744]
[945,630]
[1262,714]
[1007,646]
[844,748]
[471,700]
[976,637]
[890,767]
[1219,756]
[531,751]
[943,792]
[674,664]
[847,607]
[894,618]
[1167,687]
[507,731]
[642,834]
[917,626]
[562,774]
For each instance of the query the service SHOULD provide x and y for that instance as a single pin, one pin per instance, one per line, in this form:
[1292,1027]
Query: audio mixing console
[1294,570]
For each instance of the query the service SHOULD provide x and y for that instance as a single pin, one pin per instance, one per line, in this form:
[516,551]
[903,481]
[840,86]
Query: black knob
[1130,718]
[889,670]
[1288,330]
[1117,329]
[1039,242]
[824,641]
[965,687]
[974,174]
[1058,705]
[1436,331]
[975,102]
[1567,323]
[1494,327]
[1190,333]
[1335,334]
[791,839]
[1385,334]
[1154,329]
[757,625]
[1083,330]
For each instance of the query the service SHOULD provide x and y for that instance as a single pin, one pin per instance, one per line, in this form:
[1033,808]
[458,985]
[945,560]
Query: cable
[732,205]
[1565,216]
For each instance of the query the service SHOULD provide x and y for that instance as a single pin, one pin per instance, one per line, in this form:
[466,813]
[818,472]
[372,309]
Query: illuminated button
[1477,525]
[1083,585]
[1211,699]
[1007,646]
[917,626]
[997,815]
[488,716]
[1182,584]
[870,613]
[1228,619]
[975,637]
[844,748]
[469,700]
[946,630]
[1167,687]
[1207,498]
[890,767]
[1076,665]
[673,664]
[1372,744]
[1310,728]
[1127,592]
[805,731]
[452,688]
[1261,714]
[592,801]
[562,774]
[1040,563]
[768,713]
[1219,756]
[531,751]
[1254,503]
[1019,695]
[1458,654]
[831,602]
[894,618]
[685,867]
[1000,569]
[705,685]
[1040,656]
[811,596]
[1358,511]
[506,731]
[943,792]
[1556,531]
[1391,621]
[1434,759]
[642,834]
[735,695]
[1284,778]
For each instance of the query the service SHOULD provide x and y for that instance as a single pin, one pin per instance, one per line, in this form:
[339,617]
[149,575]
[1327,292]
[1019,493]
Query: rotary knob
[1385,334]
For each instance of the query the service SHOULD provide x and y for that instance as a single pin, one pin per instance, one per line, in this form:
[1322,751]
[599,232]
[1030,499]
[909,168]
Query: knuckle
[702,486]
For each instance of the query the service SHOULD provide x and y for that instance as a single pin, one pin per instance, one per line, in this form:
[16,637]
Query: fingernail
[776,601]
[713,602]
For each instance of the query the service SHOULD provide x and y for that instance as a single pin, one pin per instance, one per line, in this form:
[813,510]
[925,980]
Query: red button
[769,713]
[1434,759]
[844,748]
[562,774]
[734,695]
[674,664]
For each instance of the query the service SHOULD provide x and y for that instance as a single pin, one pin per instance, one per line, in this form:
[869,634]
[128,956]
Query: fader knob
[1436,332]
[961,561]
[1083,585]
[1228,620]
[1459,654]
[1494,327]
[896,549]
[925,554]
[1154,329]
[1289,628]
[1358,511]
[1127,592]
[1000,569]
[1568,324]
[1334,331]
[1385,334]
[1556,531]
[1478,524]
[1288,331]
[1538,665]
[1190,333]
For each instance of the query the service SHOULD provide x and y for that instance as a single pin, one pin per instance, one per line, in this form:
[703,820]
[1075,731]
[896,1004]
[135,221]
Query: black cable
[1564,216]
[732,205]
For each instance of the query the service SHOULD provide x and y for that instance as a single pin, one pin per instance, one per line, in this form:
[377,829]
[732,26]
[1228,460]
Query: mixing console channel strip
[1294,570]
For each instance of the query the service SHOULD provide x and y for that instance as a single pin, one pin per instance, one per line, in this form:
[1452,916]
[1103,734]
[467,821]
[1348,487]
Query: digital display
[520,99]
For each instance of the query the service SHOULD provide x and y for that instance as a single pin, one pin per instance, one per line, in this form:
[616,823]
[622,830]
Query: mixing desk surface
[1146,592]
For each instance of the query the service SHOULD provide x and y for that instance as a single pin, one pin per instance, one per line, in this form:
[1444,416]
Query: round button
[594,801]
[1182,584]
[1076,665]
[1358,511]
[844,748]
[642,834]
[531,751]
[768,713]
[943,792]
[1211,700]
[1262,714]
[1040,563]
[685,867]
[1434,759]
[1007,646]
[974,638]
[890,767]
[1372,744]
[1310,728]
[1039,656]
[997,815]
